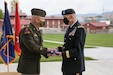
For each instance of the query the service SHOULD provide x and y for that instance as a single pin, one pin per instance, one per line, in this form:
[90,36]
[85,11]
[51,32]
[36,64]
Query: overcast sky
[56,6]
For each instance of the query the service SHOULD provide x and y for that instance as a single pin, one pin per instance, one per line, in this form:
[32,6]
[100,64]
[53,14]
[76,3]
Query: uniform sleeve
[27,38]
[77,51]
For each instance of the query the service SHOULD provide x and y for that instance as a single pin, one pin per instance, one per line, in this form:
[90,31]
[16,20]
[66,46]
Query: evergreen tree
[1,14]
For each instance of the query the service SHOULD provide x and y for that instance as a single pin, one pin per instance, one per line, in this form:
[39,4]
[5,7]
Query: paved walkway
[102,66]
[100,53]
[53,68]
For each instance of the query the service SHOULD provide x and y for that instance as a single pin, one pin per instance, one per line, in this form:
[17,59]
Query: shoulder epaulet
[80,26]
[27,30]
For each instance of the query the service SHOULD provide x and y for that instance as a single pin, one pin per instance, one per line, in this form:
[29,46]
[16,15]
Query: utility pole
[13,5]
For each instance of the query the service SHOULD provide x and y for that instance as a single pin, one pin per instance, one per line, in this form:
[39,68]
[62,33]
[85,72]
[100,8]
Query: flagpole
[7,52]
[7,56]
[17,29]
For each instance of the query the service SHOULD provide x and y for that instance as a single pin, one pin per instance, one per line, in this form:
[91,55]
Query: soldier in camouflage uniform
[31,44]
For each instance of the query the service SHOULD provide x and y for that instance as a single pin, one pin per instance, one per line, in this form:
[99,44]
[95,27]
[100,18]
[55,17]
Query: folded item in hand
[53,52]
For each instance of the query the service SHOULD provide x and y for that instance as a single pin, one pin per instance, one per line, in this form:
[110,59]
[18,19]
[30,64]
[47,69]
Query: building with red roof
[55,23]
[95,27]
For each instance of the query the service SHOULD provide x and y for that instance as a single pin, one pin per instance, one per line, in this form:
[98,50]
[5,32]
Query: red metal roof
[48,17]
[99,24]
[21,14]
[53,17]
[22,21]
[82,23]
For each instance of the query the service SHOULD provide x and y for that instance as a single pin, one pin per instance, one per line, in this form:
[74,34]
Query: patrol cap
[68,11]
[38,12]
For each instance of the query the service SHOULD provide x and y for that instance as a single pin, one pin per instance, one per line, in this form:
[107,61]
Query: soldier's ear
[37,19]
[70,17]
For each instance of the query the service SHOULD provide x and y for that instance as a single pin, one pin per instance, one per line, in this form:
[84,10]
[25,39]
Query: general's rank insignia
[63,12]
[80,26]
[26,31]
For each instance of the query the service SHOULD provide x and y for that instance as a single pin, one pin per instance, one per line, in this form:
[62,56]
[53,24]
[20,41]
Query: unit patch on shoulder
[27,31]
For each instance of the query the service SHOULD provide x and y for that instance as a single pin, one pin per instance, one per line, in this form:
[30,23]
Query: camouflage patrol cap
[38,12]
[68,11]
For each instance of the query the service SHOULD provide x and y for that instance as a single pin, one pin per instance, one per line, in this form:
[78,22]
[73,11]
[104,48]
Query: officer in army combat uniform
[30,40]
[73,48]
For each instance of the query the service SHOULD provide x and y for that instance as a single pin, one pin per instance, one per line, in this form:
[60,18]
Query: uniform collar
[33,27]
[73,24]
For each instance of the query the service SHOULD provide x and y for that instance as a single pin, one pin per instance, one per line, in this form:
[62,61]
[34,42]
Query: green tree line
[1,14]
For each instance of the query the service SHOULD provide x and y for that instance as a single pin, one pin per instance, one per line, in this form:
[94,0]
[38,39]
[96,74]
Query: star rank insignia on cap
[26,31]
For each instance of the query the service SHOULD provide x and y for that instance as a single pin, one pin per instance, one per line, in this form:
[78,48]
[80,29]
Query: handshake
[55,51]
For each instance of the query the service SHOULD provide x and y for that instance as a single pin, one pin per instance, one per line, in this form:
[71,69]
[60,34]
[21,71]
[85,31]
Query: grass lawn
[91,41]
[51,45]
[58,58]
[54,37]
[100,40]
[50,59]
